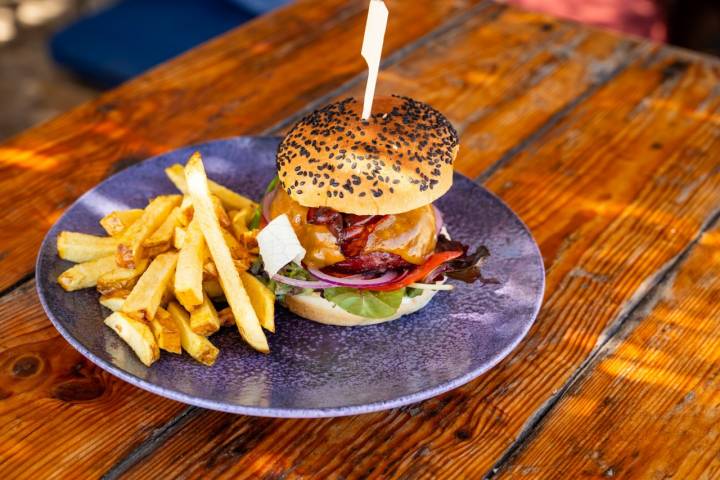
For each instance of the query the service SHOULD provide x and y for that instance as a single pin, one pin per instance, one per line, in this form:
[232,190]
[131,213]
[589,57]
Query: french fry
[239,222]
[81,247]
[222,215]
[213,289]
[129,250]
[196,345]
[226,317]
[179,237]
[189,273]
[230,199]
[186,210]
[262,299]
[137,335]
[210,271]
[114,301]
[162,239]
[145,297]
[204,319]
[236,250]
[249,241]
[121,278]
[166,331]
[245,317]
[115,223]
[86,274]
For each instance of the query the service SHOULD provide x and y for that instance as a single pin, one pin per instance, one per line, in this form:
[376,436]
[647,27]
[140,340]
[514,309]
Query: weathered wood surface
[244,82]
[59,414]
[604,146]
[614,191]
[649,406]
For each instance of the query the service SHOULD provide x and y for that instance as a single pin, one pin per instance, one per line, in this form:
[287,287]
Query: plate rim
[320,412]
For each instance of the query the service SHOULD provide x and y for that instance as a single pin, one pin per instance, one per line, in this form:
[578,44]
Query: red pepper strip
[419,272]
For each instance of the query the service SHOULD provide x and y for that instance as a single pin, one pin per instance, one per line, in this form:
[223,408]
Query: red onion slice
[266,201]
[315,285]
[356,281]
[438,220]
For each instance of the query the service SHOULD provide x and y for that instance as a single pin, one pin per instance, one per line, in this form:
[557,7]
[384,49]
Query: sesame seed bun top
[398,160]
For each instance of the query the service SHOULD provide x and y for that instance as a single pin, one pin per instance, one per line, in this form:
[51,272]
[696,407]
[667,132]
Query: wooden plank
[58,412]
[648,407]
[241,83]
[614,192]
[498,83]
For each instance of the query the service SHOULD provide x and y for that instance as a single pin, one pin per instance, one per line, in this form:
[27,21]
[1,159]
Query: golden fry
[130,249]
[86,274]
[115,223]
[226,317]
[196,345]
[81,247]
[186,211]
[179,237]
[137,335]
[146,296]
[114,301]
[210,271]
[245,316]
[204,319]
[189,273]
[162,239]
[239,223]
[262,299]
[121,278]
[166,331]
[213,289]
[230,199]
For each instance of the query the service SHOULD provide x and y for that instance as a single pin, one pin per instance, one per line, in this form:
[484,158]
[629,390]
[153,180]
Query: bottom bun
[314,307]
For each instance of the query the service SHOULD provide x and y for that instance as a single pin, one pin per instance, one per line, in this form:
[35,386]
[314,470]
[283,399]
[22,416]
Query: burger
[359,196]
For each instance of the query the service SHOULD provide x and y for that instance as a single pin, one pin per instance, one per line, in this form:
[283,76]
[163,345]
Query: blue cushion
[259,6]
[126,39]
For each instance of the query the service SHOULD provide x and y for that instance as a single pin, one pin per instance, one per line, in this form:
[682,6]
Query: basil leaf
[366,303]
[411,292]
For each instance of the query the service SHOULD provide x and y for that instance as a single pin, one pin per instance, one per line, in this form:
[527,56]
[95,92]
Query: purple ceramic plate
[313,370]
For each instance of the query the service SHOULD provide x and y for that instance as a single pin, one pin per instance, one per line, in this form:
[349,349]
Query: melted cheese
[410,235]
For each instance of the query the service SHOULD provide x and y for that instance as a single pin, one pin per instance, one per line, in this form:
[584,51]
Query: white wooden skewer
[372,49]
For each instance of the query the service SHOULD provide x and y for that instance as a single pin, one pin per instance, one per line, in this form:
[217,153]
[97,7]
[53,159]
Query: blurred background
[56,54]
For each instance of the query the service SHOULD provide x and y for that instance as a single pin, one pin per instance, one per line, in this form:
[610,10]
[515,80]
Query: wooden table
[607,147]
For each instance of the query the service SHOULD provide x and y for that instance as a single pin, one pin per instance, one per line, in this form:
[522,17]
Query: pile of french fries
[163,270]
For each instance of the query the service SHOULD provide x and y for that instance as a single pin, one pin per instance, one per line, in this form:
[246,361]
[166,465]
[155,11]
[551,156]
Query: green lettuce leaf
[411,292]
[366,303]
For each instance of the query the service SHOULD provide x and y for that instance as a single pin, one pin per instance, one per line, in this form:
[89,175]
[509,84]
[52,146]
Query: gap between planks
[635,309]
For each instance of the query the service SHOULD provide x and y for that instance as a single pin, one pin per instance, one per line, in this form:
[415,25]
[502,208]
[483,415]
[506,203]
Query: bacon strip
[373,262]
[351,231]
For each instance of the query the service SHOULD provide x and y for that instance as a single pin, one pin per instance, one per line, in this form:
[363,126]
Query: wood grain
[68,416]
[649,407]
[58,412]
[614,191]
[501,82]
[241,83]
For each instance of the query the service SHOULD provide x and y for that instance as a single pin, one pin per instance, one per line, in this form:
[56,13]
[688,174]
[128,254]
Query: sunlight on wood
[27,159]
